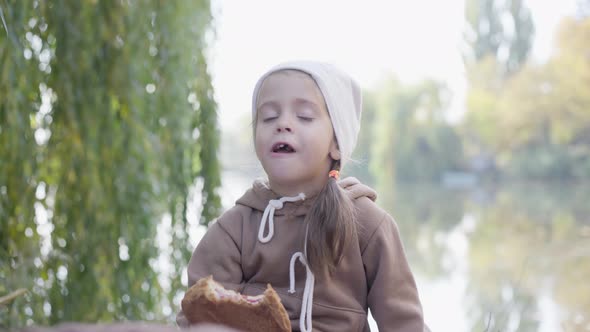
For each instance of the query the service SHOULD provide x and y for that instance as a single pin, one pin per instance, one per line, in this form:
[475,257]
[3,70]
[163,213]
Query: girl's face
[294,138]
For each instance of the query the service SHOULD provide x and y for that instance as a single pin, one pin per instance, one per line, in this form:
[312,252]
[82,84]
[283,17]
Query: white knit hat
[341,93]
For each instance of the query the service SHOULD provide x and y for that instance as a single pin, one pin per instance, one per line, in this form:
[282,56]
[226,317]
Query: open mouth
[282,148]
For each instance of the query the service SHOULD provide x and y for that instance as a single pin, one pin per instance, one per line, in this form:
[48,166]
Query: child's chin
[283,179]
[284,176]
[286,170]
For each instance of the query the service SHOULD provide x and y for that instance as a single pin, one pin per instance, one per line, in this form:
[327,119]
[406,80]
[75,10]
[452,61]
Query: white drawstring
[307,301]
[269,212]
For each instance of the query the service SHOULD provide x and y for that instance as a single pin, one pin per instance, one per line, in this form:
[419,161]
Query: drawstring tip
[291,291]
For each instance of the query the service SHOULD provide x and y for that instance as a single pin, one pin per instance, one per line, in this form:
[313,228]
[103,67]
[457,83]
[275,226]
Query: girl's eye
[305,118]
[268,119]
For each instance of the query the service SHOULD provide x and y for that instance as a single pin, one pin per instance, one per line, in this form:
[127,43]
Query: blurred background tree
[406,135]
[534,122]
[107,118]
[500,29]
[523,120]
[499,36]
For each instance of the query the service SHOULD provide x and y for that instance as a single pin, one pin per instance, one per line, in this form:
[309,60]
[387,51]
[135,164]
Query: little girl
[351,259]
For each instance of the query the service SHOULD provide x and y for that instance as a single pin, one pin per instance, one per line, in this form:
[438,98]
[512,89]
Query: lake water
[499,258]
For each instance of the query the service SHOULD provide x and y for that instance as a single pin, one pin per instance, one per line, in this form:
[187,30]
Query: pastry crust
[209,302]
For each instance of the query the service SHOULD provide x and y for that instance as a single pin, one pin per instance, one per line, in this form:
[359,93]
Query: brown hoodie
[374,273]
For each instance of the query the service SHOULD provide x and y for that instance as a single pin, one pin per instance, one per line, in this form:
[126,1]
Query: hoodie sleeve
[217,254]
[393,296]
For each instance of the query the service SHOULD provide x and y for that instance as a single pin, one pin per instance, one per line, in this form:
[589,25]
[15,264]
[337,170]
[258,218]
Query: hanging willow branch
[10,297]
[99,105]
[3,20]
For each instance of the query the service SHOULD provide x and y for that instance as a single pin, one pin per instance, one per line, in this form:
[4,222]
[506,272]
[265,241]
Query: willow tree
[107,119]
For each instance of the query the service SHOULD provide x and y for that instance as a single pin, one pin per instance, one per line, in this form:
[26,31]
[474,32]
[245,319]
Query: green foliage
[535,121]
[429,152]
[485,31]
[480,128]
[107,118]
[540,163]
[501,29]
[545,110]
[405,135]
[499,35]
[523,120]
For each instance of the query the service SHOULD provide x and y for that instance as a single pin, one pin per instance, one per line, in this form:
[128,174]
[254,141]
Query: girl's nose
[284,124]
[283,128]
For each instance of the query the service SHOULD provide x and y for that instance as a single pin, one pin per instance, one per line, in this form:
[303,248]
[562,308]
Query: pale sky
[370,39]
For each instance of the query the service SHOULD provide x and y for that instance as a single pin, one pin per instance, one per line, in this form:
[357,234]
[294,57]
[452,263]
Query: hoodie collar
[260,194]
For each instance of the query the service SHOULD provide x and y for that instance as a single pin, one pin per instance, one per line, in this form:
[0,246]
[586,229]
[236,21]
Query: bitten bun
[209,302]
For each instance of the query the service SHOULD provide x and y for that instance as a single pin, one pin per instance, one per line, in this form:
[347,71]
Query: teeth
[283,147]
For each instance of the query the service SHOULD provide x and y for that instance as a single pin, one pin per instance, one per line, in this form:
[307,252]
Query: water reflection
[524,249]
[511,258]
